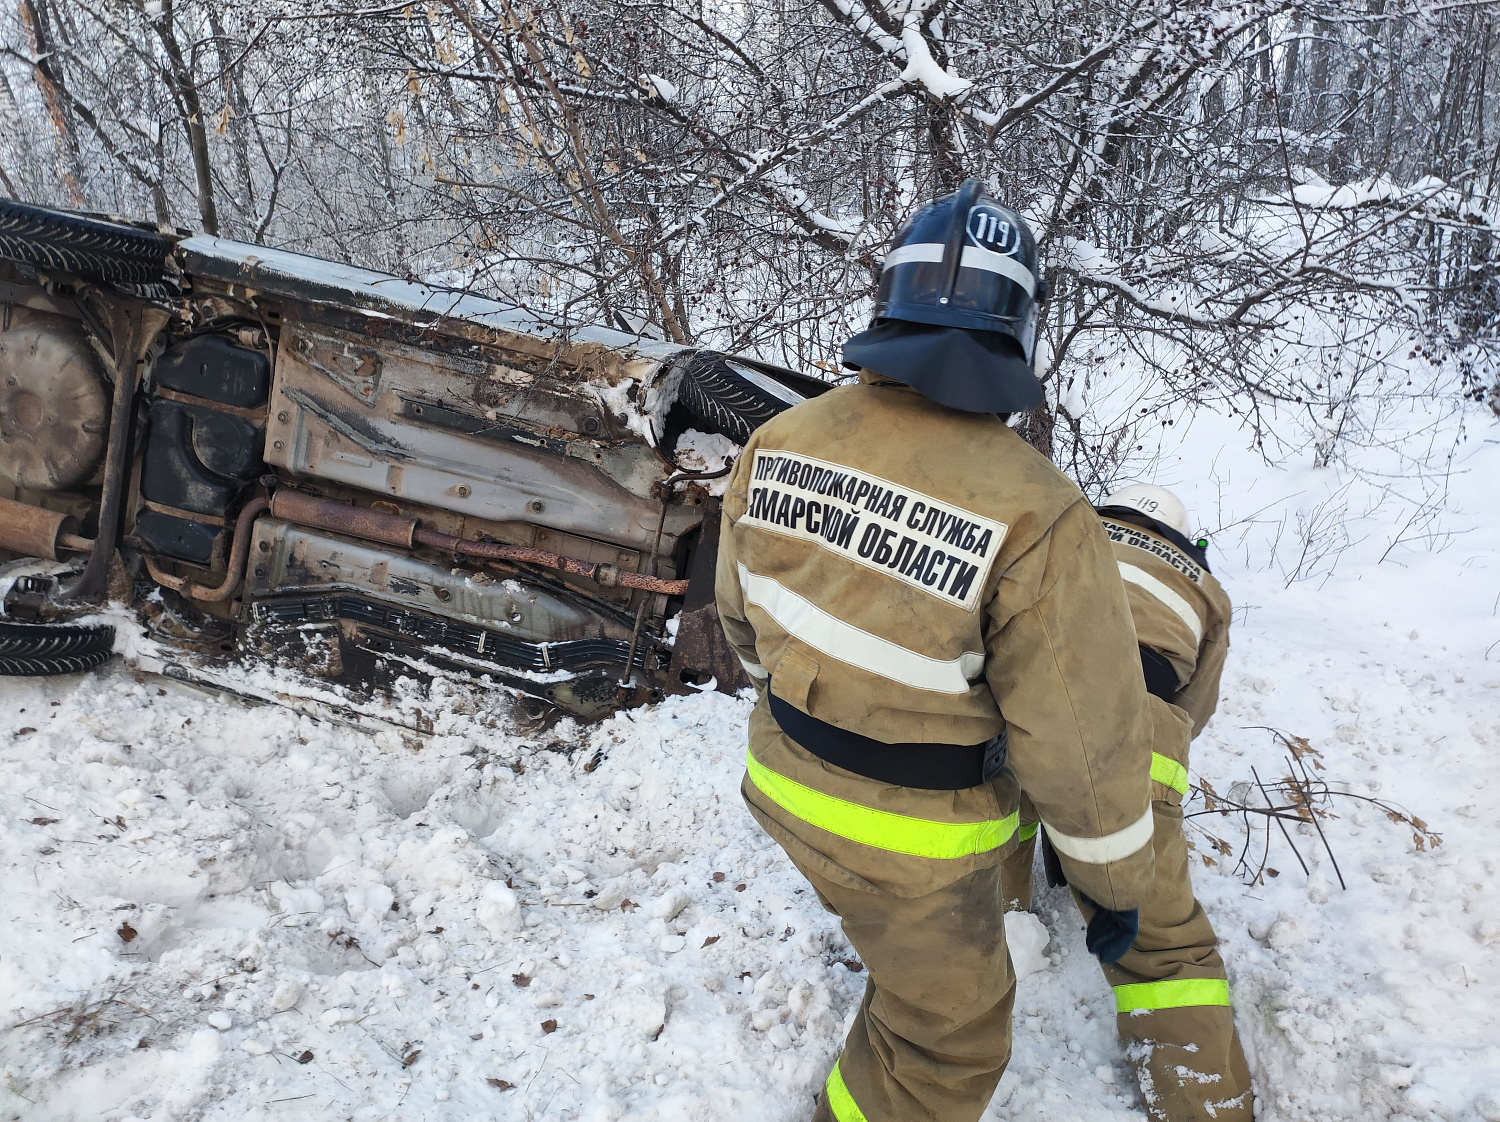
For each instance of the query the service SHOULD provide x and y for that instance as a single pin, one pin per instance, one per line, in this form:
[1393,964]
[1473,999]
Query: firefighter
[934,621]
[1171,993]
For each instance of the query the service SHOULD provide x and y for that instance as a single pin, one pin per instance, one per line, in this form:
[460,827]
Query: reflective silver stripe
[754,669]
[974,257]
[1111,847]
[1184,611]
[804,620]
[917,251]
[977,257]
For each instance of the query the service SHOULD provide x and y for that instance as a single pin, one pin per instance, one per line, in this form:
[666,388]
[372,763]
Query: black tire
[35,649]
[728,396]
[47,667]
[87,247]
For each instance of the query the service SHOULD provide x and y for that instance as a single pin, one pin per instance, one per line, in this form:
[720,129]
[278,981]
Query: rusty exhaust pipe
[341,518]
[607,575]
[405,532]
[35,532]
[397,530]
[236,569]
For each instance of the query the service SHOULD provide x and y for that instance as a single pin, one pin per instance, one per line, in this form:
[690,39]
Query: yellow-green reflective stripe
[1170,772]
[1028,831]
[920,837]
[840,1101]
[1174,994]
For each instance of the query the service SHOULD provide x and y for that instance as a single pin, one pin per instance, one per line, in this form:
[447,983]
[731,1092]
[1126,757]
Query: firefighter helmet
[956,311]
[1154,502]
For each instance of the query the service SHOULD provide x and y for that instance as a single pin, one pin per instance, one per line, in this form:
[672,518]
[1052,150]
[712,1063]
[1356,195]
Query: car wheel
[87,247]
[36,649]
[728,396]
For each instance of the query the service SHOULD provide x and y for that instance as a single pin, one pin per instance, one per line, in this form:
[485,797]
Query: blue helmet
[956,312]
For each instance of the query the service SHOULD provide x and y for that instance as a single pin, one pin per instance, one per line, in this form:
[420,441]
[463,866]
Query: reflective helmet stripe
[977,257]
[974,257]
[931,252]
[880,829]
[1175,993]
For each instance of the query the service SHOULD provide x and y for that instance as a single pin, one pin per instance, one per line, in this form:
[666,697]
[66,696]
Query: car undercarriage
[276,459]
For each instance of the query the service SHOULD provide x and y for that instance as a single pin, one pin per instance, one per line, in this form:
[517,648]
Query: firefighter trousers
[914,875]
[1171,992]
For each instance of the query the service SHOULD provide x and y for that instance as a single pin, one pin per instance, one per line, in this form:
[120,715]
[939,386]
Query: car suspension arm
[125,329]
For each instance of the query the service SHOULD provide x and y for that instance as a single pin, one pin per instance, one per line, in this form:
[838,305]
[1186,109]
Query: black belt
[1161,676]
[931,767]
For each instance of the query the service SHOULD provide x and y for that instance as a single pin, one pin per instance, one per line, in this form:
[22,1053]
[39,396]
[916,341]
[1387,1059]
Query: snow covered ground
[217,911]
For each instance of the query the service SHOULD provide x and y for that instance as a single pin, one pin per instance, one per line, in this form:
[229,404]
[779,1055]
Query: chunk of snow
[762,1019]
[570,872]
[922,67]
[704,451]
[671,904]
[1026,938]
[1286,933]
[300,902]
[369,903]
[658,85]
[286,995]
[611,895]
[642,1007]
[499,909]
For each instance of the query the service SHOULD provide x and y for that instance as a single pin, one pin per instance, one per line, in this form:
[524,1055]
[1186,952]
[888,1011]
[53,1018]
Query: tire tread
[54,664]
[727,404]
[89,247]
[54,641]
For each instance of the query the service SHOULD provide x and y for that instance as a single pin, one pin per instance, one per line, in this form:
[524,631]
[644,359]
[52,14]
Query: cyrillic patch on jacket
[1129,535]
[940,548]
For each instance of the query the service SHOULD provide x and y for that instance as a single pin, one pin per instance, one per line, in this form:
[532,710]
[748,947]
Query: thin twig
[1307,801]
[1281,825]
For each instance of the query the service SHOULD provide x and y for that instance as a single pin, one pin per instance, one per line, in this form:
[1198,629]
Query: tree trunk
[1317,81]
[186,91]
[35,16]
[234,97]
[1290,59]
[1036,428]
[378,123]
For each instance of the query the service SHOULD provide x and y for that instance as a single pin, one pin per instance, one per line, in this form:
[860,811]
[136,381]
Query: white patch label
[942,549]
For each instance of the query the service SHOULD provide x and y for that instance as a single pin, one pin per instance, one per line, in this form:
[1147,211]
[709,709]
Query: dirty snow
[708,452]
[217,911]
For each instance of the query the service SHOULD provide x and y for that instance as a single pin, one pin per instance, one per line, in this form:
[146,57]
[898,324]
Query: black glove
[1110,933]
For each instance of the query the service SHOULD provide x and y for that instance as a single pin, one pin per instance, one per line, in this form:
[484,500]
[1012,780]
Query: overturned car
[276,457]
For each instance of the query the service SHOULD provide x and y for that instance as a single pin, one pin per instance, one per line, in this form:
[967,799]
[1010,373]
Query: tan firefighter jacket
[909,573]
[1181,612]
